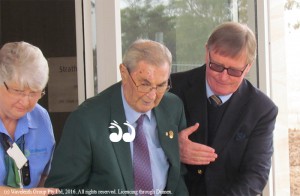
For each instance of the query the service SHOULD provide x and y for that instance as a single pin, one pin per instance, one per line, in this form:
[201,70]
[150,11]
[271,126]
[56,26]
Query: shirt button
[199,171]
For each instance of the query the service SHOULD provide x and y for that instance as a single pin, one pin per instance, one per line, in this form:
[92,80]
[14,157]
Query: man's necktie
[141,159]
[215,100]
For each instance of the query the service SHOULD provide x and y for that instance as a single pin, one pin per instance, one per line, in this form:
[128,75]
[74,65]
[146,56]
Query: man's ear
[248,68]
[123,71]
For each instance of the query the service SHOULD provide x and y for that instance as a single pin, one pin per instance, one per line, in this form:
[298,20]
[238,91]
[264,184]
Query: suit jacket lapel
[122,149]
[228,125]
[196,103]
[168,144]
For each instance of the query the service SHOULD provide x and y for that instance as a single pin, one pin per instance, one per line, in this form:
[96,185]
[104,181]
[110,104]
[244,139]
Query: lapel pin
[170,134]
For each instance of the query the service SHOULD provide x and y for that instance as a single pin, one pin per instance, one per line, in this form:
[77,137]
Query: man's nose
[152,93]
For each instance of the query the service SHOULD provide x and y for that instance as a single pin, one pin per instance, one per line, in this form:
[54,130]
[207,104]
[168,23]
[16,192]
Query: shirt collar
[209,93]
[23,125]
[130,113]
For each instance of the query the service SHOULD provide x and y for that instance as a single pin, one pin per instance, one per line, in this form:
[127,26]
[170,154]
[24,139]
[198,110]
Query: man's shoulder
[171,98]
[183,81]
[170,107]
[256,96]
[106,95]
[102,101]
[170,101]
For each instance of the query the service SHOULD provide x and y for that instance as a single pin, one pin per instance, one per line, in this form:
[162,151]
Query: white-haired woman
[26,135]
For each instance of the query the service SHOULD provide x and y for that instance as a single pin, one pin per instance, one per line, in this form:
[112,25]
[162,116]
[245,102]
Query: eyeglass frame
[229,70]
[168,86]
[22,94]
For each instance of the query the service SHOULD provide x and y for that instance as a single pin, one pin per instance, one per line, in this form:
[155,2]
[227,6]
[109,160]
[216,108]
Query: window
[183,26]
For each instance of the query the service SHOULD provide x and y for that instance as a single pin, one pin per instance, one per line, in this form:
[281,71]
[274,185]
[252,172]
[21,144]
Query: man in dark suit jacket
[230,153]
[89,160]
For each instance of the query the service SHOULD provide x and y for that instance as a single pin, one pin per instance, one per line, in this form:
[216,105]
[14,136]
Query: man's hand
[194,153]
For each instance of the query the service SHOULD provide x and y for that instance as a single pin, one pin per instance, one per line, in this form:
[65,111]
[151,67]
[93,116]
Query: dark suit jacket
[244,140]
[86,158]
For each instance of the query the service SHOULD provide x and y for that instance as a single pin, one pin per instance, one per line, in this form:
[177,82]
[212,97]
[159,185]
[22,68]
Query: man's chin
[146,107]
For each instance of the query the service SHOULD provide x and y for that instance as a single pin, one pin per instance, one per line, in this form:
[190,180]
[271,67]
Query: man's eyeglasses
[220,68]
[20,93]
[146,88]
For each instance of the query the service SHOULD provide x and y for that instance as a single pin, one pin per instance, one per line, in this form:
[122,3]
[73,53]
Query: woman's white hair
[24,64]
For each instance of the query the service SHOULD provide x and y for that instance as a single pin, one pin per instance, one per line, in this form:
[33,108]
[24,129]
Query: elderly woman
[26,134]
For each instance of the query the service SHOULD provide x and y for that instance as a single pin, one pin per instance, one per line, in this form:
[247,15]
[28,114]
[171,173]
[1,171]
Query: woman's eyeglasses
[20,93]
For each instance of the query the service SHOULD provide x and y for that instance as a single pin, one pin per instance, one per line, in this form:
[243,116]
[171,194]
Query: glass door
[49,25]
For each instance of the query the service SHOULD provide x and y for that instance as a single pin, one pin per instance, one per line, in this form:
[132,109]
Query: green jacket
[86,161]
